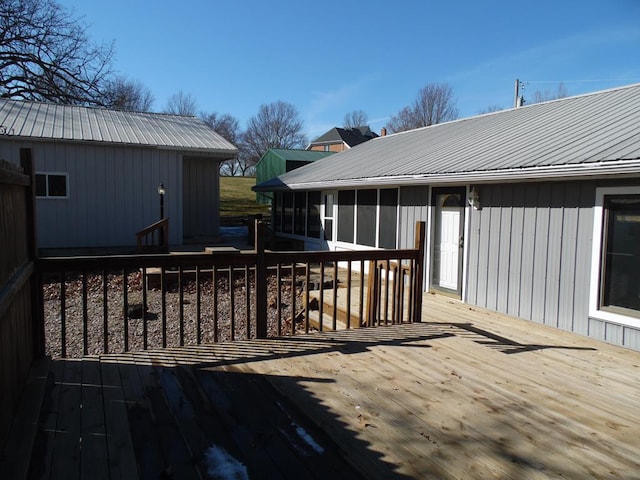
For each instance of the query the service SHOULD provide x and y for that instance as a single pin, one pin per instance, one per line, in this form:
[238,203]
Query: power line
[633,79]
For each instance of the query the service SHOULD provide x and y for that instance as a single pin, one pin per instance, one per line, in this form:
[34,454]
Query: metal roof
[36,120]
[591,134]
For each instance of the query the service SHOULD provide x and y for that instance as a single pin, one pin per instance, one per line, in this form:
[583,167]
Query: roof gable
[44,121]
[351,136]
[571,136]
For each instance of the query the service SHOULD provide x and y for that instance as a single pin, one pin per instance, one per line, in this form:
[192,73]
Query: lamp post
[161,191]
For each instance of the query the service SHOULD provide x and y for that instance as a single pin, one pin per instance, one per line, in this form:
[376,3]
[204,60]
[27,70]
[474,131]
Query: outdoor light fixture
[161,191]
[474,198]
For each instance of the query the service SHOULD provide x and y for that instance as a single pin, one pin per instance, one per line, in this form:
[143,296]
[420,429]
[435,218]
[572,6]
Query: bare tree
[276,125]
[124,94]
[45,54]
[546,95]
[181,104]
[491,109]
[355,118]
[434,104]
[224,124]
[227,126]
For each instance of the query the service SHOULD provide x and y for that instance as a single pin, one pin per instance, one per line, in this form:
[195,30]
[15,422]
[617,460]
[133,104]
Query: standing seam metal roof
[576,131]
[72,123]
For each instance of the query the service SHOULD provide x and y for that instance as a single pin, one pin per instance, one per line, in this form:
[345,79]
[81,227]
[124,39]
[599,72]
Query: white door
[448,229]
[449,248]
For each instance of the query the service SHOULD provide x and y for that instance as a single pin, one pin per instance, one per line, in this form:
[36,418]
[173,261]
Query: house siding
[201,200]
[530,256]
[112,192]
[414,207]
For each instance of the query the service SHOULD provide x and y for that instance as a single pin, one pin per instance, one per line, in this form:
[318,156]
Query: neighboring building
[341,139]
[553,235]
[98,171]
[277,161]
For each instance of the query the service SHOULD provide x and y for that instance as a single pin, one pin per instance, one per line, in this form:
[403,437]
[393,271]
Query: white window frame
[596,258]
[54,197]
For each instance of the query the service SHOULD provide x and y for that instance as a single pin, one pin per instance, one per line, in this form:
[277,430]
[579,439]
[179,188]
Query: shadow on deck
[444,399]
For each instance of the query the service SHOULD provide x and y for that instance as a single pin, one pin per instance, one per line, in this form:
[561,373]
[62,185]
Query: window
[621,253]
[328,213]
[313,215]
[615,275]
[277,212]
[287,216]
[388,218]
[346,212]
[51,185]
[300,212]
[367,211]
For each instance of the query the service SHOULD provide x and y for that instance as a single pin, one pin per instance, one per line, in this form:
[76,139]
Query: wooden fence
[20,337]
[93,305]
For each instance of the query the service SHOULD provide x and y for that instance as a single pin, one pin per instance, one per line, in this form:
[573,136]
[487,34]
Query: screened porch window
[620,276]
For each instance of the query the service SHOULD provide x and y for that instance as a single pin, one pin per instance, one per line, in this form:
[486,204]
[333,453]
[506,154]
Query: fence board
[18,335]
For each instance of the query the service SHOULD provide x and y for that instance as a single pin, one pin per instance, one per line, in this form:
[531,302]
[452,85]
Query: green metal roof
[299,155]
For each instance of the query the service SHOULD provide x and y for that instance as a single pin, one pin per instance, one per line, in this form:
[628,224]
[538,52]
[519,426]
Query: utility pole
[518,101]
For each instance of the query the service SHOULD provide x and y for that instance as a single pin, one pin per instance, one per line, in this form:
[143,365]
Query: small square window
[51,185]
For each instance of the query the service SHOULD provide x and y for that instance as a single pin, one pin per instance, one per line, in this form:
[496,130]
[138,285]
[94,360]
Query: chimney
[383,132]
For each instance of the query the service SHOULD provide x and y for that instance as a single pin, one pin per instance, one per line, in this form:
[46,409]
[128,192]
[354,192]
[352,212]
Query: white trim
[428,240]
[596,259]
[465,247]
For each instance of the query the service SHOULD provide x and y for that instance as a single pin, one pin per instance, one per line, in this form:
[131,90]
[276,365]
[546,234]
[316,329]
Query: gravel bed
[74,312]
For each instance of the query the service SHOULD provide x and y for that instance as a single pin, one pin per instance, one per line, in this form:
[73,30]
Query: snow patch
[222,466]
[308,439]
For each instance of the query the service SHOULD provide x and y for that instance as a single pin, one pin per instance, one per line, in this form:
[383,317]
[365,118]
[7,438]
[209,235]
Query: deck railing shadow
[346,342]
[164,418]
[502,343]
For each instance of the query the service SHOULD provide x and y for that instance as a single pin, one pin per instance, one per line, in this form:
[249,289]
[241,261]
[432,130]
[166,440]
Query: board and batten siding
[201,184]
[529,255]
[112,192]
[414,207]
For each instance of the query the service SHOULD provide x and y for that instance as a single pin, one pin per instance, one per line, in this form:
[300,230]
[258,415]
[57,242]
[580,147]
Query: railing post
[261,282]
[419,273]
[372,288]
[37,303]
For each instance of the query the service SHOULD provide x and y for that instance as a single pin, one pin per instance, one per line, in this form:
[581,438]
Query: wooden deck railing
[154,238]
[92,305]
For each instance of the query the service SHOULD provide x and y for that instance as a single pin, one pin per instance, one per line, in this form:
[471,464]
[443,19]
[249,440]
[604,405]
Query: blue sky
[331,57]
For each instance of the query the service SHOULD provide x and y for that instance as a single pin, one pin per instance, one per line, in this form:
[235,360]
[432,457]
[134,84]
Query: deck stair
[356,310]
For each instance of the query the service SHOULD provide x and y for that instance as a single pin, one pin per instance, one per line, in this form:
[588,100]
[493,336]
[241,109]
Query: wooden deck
[465,394]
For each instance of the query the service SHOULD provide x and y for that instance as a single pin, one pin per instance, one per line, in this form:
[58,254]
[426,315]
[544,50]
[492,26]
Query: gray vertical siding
[414,207]
[112,192]
[200,209]
[414,203]
[530,256]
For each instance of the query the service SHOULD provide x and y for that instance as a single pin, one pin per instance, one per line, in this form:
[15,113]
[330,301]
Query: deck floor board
[465,394]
